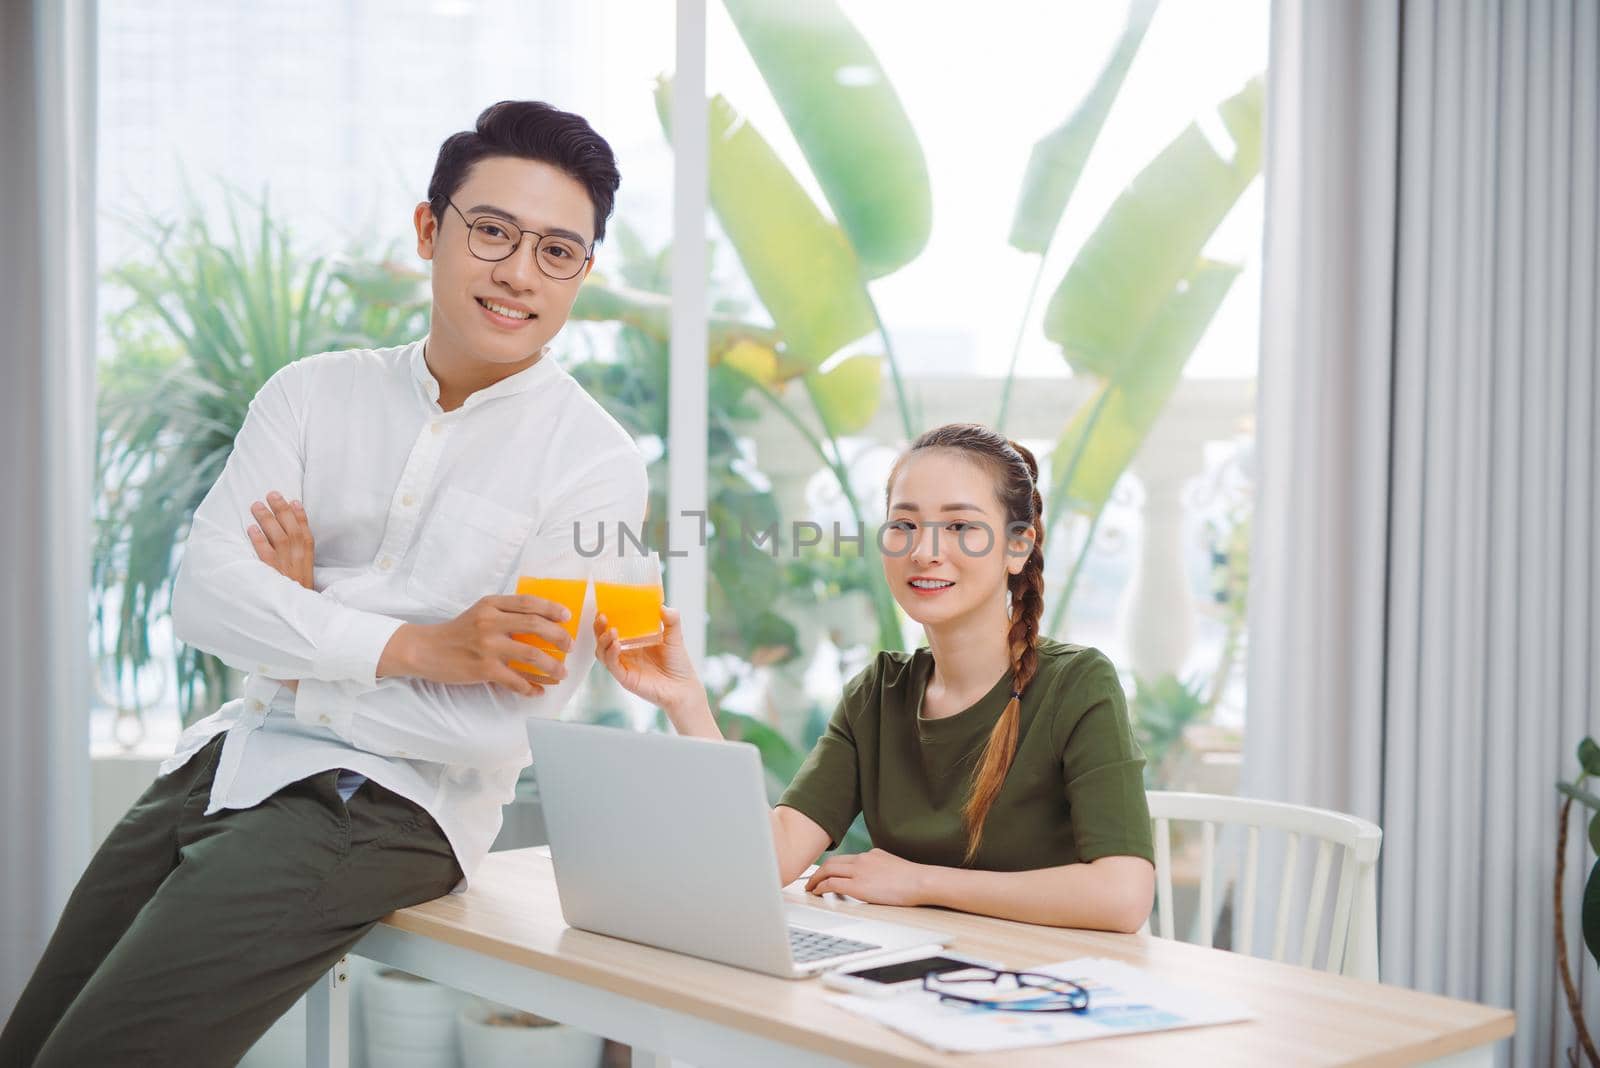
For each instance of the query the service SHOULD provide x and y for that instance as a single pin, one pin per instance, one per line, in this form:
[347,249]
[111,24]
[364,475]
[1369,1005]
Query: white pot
[410,1022]
[485,1045]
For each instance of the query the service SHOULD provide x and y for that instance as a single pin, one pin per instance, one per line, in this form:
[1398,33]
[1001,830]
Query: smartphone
[897,974]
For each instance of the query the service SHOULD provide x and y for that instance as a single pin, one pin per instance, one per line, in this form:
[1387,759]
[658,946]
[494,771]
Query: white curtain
[47,285]
[1426,610]
[1317,565]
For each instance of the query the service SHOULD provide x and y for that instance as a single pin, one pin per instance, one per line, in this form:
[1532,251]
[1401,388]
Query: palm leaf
[208,325]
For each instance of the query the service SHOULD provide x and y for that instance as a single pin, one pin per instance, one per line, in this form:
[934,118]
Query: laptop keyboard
[807,946]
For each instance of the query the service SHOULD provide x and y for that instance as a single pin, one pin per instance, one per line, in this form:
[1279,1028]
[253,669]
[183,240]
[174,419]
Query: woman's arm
[1109,894]
[799,841]
[663,673]
[666,675]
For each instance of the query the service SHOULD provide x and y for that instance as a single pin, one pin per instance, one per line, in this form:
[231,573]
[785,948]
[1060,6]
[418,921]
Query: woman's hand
[661,673]
[282,537]
[876,877]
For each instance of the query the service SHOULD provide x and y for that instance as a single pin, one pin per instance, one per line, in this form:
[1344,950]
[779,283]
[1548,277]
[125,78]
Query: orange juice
[565,591]
[635,610]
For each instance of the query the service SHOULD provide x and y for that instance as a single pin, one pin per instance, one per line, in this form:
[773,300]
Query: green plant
[1230,575]
[1163,709]
[1128,313]
[1588,765]
[754,595]
[1056,163]
[782,758]
[1160,711]
[1136,301]
[630,380]
[629,375]
[209,319]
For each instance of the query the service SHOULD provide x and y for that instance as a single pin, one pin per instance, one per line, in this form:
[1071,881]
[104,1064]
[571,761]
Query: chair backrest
[1353,938]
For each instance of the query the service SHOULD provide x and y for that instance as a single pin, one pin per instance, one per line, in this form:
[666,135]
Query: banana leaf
[778,755]
[1103,435]
[600,301]
[1150,240]
[846,394]
[755,360]
[801,264]
[849,123]
[1058,157]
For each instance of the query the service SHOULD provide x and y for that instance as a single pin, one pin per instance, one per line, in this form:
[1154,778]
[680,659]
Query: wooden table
[505,939]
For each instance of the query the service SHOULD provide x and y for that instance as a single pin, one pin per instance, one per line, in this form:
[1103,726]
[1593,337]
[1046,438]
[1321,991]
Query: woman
[996,768]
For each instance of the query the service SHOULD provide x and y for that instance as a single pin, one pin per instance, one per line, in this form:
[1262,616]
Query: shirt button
[324,718]
[253,705]
[386,563]
[408,500]
[438,428]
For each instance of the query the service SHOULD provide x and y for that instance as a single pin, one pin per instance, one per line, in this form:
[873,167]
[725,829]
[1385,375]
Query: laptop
[666,841]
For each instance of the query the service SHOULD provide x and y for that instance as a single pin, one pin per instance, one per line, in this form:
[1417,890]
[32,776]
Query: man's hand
[477,645]
[282,537]
[473,647]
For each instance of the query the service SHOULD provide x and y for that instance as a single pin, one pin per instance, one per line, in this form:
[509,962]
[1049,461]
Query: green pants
[189,934]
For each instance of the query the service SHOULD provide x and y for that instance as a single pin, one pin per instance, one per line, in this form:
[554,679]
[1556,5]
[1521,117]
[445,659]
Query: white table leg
[328,1019]
[658,1037]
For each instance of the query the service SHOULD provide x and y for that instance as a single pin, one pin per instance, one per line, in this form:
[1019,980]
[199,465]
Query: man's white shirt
[416,513]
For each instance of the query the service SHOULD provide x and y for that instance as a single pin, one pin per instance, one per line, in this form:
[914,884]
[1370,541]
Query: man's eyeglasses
[991,988]
[493,239]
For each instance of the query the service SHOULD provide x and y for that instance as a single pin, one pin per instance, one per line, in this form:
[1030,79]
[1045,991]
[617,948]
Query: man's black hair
[530,129]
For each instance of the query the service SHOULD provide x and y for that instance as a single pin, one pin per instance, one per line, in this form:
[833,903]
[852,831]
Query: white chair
[1353,938]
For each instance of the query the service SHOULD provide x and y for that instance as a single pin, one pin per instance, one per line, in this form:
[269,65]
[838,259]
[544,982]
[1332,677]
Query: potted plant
[495,1036]
[1588,764]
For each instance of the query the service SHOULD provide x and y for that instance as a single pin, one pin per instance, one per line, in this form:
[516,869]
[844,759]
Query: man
[381,725]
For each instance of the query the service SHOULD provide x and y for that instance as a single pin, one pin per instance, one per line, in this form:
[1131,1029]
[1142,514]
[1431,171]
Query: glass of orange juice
[627,591]
[569,591]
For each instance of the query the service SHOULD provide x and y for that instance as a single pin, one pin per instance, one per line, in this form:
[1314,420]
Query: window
[320,122]
[323,119]
[961,324]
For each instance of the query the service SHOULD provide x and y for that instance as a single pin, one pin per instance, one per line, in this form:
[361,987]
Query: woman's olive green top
[1075,791]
